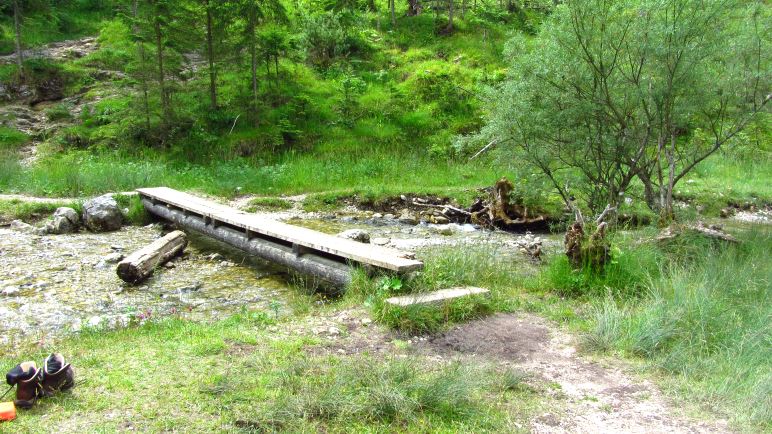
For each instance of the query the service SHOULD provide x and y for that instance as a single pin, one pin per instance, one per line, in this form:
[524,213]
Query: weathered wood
[315,242]
[140,265]
[436,296]
[325,269]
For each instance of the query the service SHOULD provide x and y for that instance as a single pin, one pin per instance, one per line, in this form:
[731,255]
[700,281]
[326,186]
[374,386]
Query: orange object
[7,411]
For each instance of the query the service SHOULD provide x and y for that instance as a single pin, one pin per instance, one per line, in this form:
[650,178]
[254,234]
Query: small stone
[408,219]
[380,241]
[215,257]
[443,230]
[356,235]
[95,321]
[9,291]
[377,215]
[389,217]
[366,321]
[333,331]
[20,226]
[116,247]
[113,258]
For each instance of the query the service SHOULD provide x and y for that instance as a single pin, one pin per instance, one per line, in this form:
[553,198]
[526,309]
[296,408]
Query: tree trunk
[463,9]
[393,13]
[252,23]
[141,264]
[161,74]
[143,68]
[414,8]
[449,29]
[210,55]
[17,30]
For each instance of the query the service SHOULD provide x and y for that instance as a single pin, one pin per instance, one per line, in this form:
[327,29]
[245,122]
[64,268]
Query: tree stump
[140,265]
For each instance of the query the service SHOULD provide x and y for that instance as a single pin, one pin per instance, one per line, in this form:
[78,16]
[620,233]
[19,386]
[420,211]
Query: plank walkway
[302,239]
[436,296]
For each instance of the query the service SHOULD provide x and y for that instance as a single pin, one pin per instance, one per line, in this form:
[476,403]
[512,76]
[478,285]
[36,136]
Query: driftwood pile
[493,212]
[499,212]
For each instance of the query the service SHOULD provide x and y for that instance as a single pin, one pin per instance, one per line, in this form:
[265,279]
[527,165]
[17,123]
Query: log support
[308,262]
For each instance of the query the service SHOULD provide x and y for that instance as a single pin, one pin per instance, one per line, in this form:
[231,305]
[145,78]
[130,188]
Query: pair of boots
[32,382]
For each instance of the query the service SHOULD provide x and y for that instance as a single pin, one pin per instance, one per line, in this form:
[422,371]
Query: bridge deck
[302,239]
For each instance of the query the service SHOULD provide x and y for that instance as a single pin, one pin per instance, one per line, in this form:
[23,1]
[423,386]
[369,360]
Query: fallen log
[140,265]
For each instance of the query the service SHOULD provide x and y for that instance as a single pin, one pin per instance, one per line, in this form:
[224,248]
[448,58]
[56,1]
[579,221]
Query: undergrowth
[705,320]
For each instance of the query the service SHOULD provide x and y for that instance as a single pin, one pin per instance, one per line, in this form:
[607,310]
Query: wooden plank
[436,296]
[382,257]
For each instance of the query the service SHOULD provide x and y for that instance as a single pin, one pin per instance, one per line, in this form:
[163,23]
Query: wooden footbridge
[307,251]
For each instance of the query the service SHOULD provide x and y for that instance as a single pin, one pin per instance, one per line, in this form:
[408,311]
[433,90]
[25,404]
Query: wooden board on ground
[436,296]
[377,256]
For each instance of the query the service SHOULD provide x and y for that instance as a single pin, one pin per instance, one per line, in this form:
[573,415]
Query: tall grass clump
[624,276]
[363,390]
[706,320]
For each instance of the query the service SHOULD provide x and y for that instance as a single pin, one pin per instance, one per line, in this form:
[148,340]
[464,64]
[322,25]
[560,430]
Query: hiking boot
[57,375]
[26,377]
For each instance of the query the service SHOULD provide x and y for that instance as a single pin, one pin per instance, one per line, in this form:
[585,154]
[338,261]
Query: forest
[602,168]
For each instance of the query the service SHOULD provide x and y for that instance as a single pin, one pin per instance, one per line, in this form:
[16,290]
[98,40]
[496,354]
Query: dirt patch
[501,337]
[349,332]
[598,395]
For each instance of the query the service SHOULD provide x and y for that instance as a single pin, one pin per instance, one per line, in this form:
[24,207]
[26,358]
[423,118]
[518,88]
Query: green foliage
[363,390]
[582,98]
[137,214]
[625,275]
[11,138]
[705,321]
[268,203]
[58,112]
[16,209]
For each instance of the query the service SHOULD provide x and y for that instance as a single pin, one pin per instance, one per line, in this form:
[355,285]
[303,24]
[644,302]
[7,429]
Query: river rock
[408,218]
[65,221]
[9,291]
[380,241]
[102,214]
[356,235]
[20,226]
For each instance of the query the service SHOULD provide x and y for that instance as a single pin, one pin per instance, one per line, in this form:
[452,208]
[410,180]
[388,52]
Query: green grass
[236,375]
[16,209]
[268,203]
[706,323]
[11,139]
[83,173]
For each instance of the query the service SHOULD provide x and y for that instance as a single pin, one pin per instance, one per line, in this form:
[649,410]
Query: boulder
[65,221]
[102,214]
[356,235]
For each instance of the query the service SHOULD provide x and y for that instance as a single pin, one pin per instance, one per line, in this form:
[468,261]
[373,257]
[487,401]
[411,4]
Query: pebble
[95,321]
[10,291]
[113,258]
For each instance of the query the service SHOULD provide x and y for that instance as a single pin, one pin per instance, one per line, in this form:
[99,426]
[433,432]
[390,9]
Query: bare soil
[600,396]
